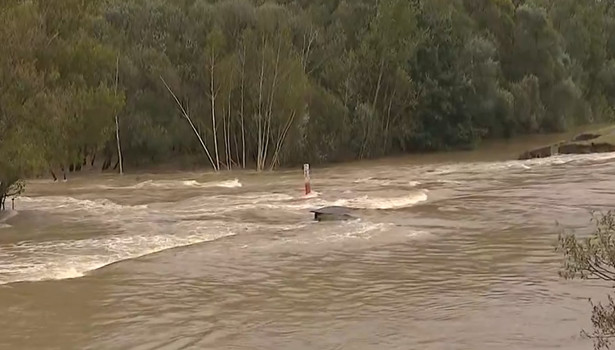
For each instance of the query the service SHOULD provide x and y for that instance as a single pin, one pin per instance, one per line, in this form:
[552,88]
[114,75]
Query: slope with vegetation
[249,83]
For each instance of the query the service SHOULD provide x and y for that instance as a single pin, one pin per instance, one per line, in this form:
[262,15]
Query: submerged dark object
[334,213]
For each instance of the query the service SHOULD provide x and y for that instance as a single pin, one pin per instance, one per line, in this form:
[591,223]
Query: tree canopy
[252,83]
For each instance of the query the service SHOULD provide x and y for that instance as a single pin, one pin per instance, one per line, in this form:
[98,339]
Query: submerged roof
[332,210]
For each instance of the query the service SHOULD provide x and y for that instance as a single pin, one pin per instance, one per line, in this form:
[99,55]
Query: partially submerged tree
[10,191]
[593,258]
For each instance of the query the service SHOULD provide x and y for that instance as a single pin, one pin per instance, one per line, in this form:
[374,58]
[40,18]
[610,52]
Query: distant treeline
[249,83]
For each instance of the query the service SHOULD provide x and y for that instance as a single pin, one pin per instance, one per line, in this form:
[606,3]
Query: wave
[356,233]
[174,184]
[286,202]
[72,259]
[226,203]
[107,210]
[230,184]
[310,201]
[356,230]
[383,203]
[313,194]
[143,230]
[522,165]
[188,183]
[55,203]
[386,182]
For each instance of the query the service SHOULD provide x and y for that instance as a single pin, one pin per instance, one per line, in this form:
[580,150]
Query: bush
[593,258]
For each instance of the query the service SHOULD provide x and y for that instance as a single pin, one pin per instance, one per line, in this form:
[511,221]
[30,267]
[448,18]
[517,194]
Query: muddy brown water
[450,252]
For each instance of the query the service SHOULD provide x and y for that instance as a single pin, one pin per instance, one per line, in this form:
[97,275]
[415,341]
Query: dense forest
[249,83]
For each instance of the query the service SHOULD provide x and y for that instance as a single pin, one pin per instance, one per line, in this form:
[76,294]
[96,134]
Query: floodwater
[449,252]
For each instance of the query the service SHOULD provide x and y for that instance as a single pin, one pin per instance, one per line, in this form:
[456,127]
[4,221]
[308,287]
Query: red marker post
[306,177]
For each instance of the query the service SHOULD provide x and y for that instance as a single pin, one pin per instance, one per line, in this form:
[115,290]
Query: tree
[215,46]
[22,97]
[276,83]
[593,258]
[381,73]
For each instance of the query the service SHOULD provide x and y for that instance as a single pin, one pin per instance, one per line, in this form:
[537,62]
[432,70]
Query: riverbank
[593,140]
[488,150]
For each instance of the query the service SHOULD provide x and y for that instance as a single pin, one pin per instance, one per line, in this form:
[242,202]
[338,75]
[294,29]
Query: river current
[447,253]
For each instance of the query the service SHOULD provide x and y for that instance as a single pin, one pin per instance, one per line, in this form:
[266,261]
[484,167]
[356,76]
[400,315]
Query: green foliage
[56,102]
[276,83]
[593,258]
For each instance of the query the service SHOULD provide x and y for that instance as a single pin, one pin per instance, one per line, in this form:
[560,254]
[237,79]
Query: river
[449,252]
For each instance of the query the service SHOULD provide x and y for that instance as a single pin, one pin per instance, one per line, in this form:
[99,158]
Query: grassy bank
[594,139]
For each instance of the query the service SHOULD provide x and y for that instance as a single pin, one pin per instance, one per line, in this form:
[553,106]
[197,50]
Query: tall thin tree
[117,122]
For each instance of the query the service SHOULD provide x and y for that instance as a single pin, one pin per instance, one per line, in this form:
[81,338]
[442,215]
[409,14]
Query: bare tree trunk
[237,149]
[212,97]
[274,84]
[280,141]
[368,126]
[117,122]
[229,121]
[225,132]
[307,47]
[243,129]
[259,160]
[388,121]
[191,125]
[226,141]
[119,147]
[228,118]
[379,83]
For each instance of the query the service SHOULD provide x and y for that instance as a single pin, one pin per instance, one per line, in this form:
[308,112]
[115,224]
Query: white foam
[286,202]
[522,165]
[419,234]
[189,183]
[386,182]
[229,184]
[172,184]
[72,259]
[360,232]
[356,230]
[363,202]
[367,202]
[57,203]
[224,204]
[141,230]
[313,194]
